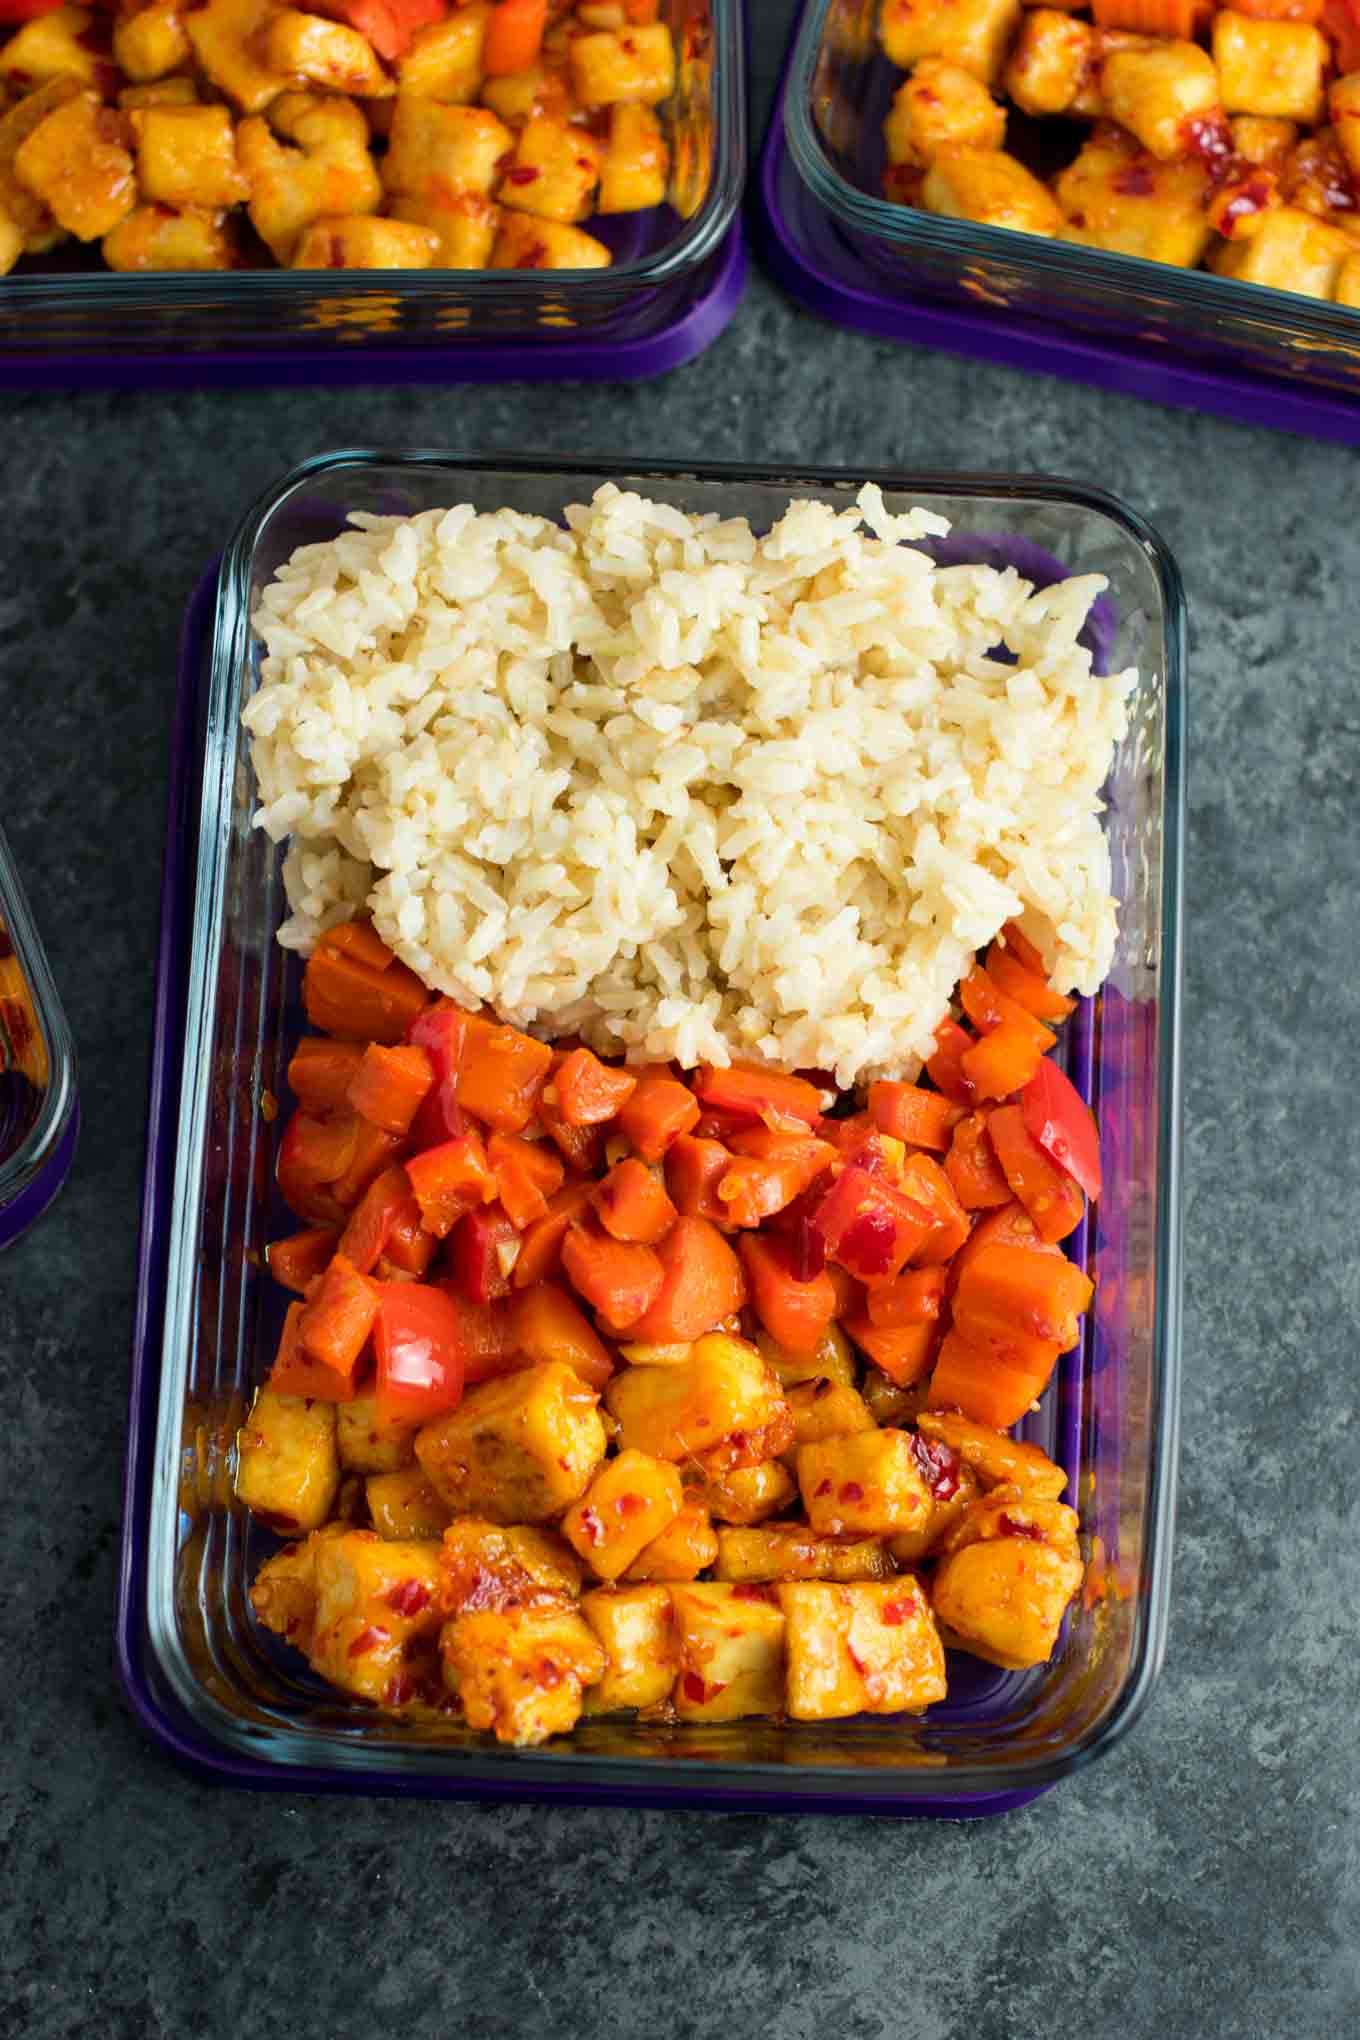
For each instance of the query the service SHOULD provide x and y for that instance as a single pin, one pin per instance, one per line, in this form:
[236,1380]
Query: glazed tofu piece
[284,1593]
[444,150]
[152,42]
[1275,68]
[1240,203]
[730,1646]
[635,1627]
[1156,91]
[790,1551]
[553,171]
[1292,251]
[77,163]
[1267,142]
[631,1500]
[991,187]
[1007,1574]
[633,65]
[994,1456]
[1051,62]
[444,61]
[686,1547]
[635,163]
[742,1494]
[974,34]
[186,155]
[1346,289]
[941,102]
[308,160]
[56,45]
[724,1391]
[1116,197]
[287,1466]
[1315,178]
[464,226]
[546,88]
[363,242]
[369,1443]
[1343,103]
[160,237]
[309,50]
[869,1484]
[160,92]
[26,212]
[225,36]
[11,242]
[490,1565]
[525,242]
[377,1615]
[403,1504]
[826,1409]
[871,1648]
[519,1449]
[950,1497]
[521,1672]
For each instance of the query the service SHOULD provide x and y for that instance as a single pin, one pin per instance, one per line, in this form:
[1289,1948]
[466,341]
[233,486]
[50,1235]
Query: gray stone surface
[1203,1879]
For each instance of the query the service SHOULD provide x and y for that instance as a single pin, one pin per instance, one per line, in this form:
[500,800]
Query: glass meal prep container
[66,304]
[39,1112]
[839,88]
[221,1691]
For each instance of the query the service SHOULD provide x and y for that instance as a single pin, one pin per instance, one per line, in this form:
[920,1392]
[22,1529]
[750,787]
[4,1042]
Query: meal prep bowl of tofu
[241,175]
[569,1398]
[1158,175]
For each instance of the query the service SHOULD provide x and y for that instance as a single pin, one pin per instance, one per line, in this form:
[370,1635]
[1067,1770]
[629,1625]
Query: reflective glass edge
[22,1169]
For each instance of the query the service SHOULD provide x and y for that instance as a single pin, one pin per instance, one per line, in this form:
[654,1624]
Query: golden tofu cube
[444,61]
[523,241]
[742,1494]
[1266,142]
[363,242]
[378,1614]
[1156,90]
[464,227]
[21,206]
[520,1672]
[686,1547]
[56,45]
[866,1484]
[159,237]
[991,187]
[160,92]
[320,169]
[1009,1512]
[825,1409]
[77,164]
[403,1504]
[284,1593]
[11,242]
[1114,197]
[152,42]
[939,103]
[1346,289]
[636,1631]
[1315,178]
[1240,202]
[726,1389]
[225,35]
[833,1359]
[287,1467]
[490,1565]
[636,161]
[730,1651]
[1343,103]
[1291,251]
[369,1443]
[630,1501]
[553,171]
[1270,67]
[994,1456]
[186,155]
[974,34]
[443,151]
[1003,1597]
[518,98]
[307,49]
[634,64]
[1051,61]
[949,1501]
[518,1449]
[790,1551]
[866,1649]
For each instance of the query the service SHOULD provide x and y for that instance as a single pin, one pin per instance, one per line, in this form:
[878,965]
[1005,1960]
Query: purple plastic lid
[39,1110]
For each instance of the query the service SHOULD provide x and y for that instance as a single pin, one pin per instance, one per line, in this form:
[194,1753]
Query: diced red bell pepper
[450,1179]
[945,1068]
[618,1280]
[906,1112]
[546,1324]
[589,1092]
[321,1071]
[750,1092]
[528,1173]
[657,1113]
[913,1298]
[483,1253]
[389,1085]
[14,11]
[903,1352]
[973,1170]
[354,987]
[335,1325]
[421,1347]
[851,1294]
[540,1253]
[1050,1196]
[869,1227]
[632,1205]
[694,1167]
[1059,1119]
[794,1313]
[440,1032]
[297,1261]
[702,1283]
[501,1074]
[387,1199]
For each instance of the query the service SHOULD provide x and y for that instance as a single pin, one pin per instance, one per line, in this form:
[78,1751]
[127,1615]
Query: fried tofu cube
[225,37]
[308,161]
[790,1551]
[1346,289]
[490,1565]
[730,1651]
[1239,203]
[56,45]
[363,242]
[284,1593]
[941,102]
[1274,68]
[1267,142]
[403,1504]
[1115,197]
[377,1615]
[521,1672]
[11,242]
[989,186]
[309,50]
[634,64]
[369,1443]
[974,34]
[76,162]
[635,163]
[686,1547]
[546,88]
[949,1501]
[1051,61]
[868,1484]
[630,1501]
[994,1456]
[1292,251]
[523,241]
[826,1409]
[287,1466]
[160,92]
[518,1449]
[186,155]
[444,151]
[742,1494]
[1315,178]
[464,226]
[1008,1571]
[636,1630]
[832,1360]
[20,206]
[152,42]
[725,1388]
[1343,103]
[553,171]
[866,1649]
[160,237]
[1154,91]
[444,61]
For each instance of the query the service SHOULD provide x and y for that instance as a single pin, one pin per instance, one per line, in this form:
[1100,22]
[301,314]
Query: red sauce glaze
[938,1464]
[630,1505]
[823,1487]
[749,1591]
[1253,197]
[895,1613]
[408,1597]
[591,1526]
[400,1690]
[868,1243]
[550,1674]
[1010,1528]
[367,1640]
[1135,182]
[522,174]
[1208,135]
[851,1491]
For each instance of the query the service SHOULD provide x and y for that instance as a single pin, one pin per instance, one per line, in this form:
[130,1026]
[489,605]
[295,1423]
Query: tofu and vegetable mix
[613,1387]
[361,134]
[1217,137]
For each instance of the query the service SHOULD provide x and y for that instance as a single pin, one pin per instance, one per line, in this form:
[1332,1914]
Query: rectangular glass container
[39,1111]
[217,1688]
[838,90]
[72,307]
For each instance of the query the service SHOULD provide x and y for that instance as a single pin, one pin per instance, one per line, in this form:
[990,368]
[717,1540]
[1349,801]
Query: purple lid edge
[32,1201]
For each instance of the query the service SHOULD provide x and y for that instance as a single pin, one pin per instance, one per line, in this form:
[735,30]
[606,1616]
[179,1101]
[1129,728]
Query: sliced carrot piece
[514,35]
[501,1074]
[373,1152]
[618,1280]
[312,1153]
[336,1322]
[297,1261]
[969,1379]
[389,1086]
[974,1173]
[528,1172]
[450,1179]
[658,1112]
[295,1372]
[795,1314]
[927,1187]
[702,1283]
[540,1252]
[748,1091]
[945,1067]
[347,991]
[483,1336]
[988,1007]
[370,1227]
[1028,988]
[547,1325]
[589,1092]
[1049,1195]
[409,1248]
[632,1205]
[1002,1063]
[906,1112]
[694,1168]
[914,1298]
[902,1351]
[320,1072]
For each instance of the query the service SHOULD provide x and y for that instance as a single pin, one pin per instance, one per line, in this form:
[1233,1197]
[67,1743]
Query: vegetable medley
[609,1388]
[1227,137]
[353,134]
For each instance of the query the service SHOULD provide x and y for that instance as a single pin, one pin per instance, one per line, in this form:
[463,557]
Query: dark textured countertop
[1203,1879]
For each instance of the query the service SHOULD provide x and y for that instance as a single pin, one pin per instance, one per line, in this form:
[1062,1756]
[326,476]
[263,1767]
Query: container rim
[22,1192]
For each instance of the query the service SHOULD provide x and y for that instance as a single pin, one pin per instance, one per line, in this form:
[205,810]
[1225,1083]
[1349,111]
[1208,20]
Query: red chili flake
[1008,1527]
[823,1487]
[859,1663]
[408,1597]
[630,1505]
[894,1613]
[807,1251]
[592,1527]
[523,173]
[868,1241]
[939,1466]
[693,1688]
[292,1625]
[851,1491]
[400,1690]
[1208,135]
[549,1673]
[367,1640]
[1252,197]
[750,1592]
